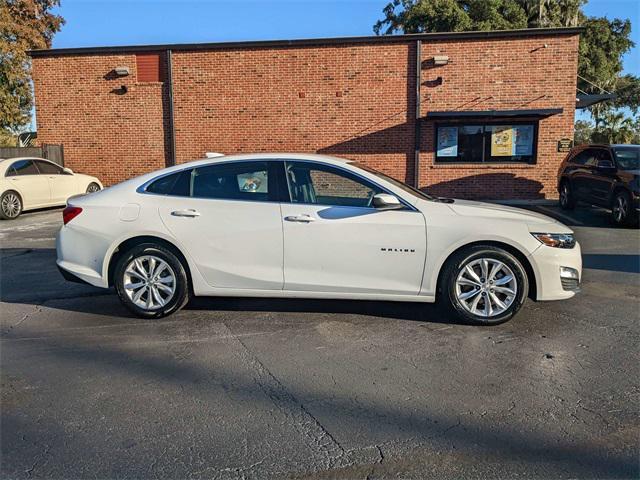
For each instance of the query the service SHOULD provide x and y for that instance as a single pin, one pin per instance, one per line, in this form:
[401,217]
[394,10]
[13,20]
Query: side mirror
[67,171]
[384,201]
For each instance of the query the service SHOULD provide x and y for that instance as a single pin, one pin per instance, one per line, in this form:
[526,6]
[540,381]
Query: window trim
[282,193]
[472,122]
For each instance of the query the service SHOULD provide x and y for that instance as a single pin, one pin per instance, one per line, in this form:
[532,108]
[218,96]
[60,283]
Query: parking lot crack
[324,446]
[36,309]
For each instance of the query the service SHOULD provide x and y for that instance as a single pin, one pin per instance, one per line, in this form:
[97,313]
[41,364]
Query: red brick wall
[105,133]
[509,74]
[354,101]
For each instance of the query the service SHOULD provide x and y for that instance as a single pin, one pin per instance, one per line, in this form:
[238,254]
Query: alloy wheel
[149,282]
[620,209]
[93,188]
[11,205]
[564,195]
[486,287]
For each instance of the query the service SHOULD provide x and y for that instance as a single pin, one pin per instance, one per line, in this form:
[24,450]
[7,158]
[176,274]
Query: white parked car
[28,183]
[312,226]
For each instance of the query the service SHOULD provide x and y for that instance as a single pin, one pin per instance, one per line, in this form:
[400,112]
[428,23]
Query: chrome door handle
[300,218]
[185,213]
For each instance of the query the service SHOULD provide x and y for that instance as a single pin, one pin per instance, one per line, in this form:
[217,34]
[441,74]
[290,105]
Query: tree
[602,45]
[583,131]
[24,25]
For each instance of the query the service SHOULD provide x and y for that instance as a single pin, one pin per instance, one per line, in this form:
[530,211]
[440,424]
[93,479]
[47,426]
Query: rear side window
[232,181]
[22,167]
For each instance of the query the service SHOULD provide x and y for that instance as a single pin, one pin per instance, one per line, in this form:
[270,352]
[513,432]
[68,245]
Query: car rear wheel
[151,281]
[10,205]
[622,212]
[93,187]
[484,285]
[567,202]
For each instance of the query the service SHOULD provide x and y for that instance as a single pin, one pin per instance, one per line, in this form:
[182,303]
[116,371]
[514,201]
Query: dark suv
[604,175]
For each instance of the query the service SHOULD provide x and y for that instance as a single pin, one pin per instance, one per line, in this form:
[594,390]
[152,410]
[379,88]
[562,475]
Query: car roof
[16,159]
[315,157]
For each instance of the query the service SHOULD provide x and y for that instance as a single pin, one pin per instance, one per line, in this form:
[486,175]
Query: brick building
[471,114]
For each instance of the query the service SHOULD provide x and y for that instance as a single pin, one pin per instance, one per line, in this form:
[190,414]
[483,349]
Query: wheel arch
[615,190]
[516,252]
[131,242]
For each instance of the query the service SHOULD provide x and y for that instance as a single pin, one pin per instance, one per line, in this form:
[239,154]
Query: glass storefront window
[486,143]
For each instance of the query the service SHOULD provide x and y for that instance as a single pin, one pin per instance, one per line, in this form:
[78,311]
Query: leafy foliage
[24,25]
[602,45]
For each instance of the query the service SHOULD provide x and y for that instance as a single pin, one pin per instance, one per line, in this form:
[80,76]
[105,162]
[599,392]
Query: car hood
[535,221]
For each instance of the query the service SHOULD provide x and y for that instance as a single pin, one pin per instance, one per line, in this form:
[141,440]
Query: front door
[229,223]
[62,185]
[336,241]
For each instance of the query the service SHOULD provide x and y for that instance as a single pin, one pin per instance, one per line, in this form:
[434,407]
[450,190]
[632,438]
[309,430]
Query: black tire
[10,205]
[567,200]
[622,211]
[181,289]
[448,288]
[93,187]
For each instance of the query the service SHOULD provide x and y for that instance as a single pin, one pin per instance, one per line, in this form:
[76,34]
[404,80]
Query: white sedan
[29,183]
[310,226]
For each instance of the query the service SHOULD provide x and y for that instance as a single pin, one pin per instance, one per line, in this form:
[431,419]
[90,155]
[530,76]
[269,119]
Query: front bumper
[547,263]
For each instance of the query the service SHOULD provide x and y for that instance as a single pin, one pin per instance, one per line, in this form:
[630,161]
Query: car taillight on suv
[70,213]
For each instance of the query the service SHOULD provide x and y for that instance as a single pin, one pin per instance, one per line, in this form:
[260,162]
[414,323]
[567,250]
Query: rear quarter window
[176,184]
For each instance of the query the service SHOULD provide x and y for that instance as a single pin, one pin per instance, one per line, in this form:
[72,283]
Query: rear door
[603,176]
[336,241]
[33,187]
[583,169]
[227,216]
[62,185]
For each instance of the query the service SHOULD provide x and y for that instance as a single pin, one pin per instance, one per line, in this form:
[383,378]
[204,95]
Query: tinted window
[23,167]
[164,185]
[231,181]
[48,168]
[324,185]
[628,158]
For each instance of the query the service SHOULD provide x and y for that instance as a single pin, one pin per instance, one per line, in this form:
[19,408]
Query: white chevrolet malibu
[310,226]
[28,183]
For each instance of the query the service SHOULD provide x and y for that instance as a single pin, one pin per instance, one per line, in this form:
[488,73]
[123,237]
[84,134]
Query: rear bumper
[547,263]
[80,256]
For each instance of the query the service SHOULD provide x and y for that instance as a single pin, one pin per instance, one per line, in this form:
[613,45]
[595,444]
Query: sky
[137,22]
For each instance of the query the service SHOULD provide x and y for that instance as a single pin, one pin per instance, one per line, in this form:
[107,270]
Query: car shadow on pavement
[613,262]
[470,435]
[30,276]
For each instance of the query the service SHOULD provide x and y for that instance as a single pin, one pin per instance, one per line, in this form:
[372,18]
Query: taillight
[70,213]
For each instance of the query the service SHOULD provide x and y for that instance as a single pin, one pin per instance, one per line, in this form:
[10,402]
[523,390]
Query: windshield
[628,158]
[407,188]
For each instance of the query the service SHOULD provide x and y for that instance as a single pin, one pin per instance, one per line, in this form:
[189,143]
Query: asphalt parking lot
[239,388]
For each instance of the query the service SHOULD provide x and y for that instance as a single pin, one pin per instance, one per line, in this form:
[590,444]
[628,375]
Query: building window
[486,143]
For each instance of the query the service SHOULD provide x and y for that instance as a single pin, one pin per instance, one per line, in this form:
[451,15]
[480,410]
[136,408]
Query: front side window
[22,167]
[486,143]
[628,158]
[48,168]
[324,185]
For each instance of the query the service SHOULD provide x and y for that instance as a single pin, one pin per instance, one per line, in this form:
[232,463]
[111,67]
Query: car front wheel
[151,281]
[484,285]
[10,205]
[622,212]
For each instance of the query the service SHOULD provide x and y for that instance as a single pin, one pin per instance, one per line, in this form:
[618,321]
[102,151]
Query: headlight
[558,240]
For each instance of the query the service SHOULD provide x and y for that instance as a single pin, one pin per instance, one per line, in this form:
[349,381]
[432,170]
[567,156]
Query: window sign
[501,141]
[523,144]
[448,142]
[486,142]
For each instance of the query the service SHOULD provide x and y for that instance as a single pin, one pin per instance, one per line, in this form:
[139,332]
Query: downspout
[172,131]
[416,153]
